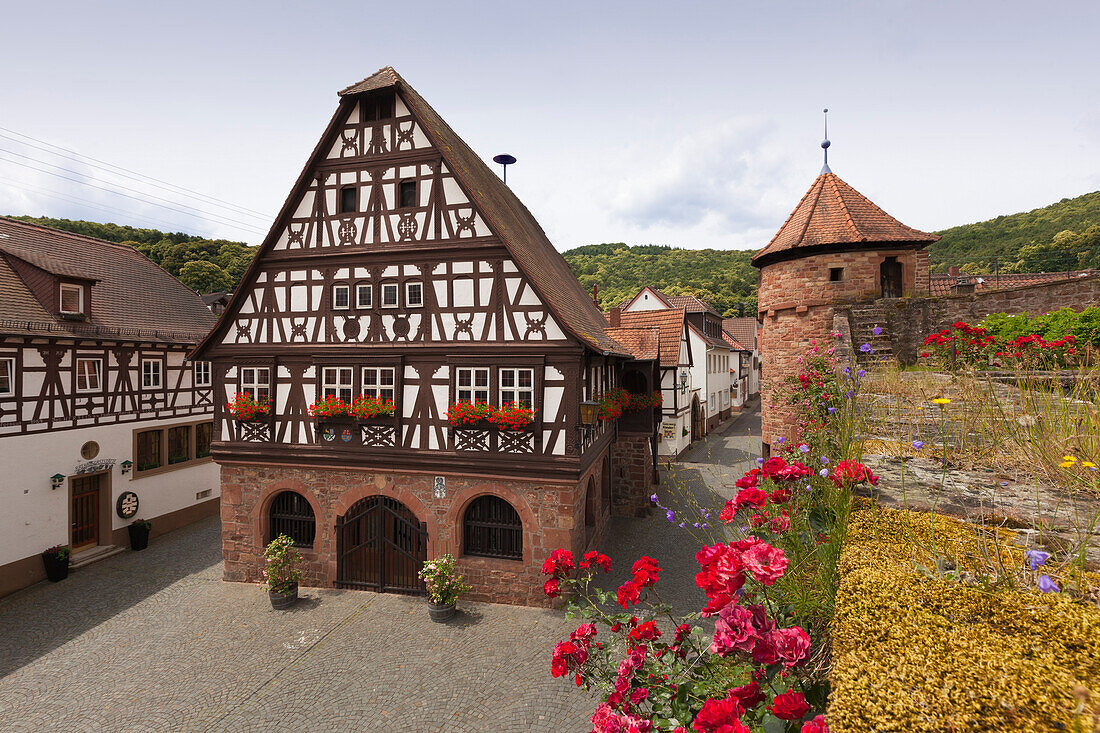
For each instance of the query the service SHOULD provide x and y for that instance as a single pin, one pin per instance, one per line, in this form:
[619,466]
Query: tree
[205,277]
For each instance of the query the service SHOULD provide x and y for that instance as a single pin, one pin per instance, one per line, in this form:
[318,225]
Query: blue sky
[691,124]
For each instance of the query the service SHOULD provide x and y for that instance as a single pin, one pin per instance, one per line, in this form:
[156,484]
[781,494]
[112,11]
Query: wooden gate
[85,512]
[380,546]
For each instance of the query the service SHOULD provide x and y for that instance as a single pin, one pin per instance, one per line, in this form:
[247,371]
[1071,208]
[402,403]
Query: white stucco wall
[35,516]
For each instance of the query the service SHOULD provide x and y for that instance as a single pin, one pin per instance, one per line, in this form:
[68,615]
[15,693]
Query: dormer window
[379,107]
[72,299]
[407,197]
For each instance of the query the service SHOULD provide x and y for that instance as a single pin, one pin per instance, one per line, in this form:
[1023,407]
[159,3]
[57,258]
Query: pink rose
[793,645]
[766,563]
[733,631]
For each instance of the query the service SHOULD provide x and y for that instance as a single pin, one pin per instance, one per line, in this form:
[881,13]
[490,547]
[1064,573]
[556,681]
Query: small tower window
[347,200]
[408,194]
[836,274]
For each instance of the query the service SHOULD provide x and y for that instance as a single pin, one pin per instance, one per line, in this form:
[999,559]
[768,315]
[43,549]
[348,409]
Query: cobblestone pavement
[156,641]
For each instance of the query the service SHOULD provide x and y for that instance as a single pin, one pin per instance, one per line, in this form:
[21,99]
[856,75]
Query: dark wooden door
[890,271]
[380,546]
[85,512]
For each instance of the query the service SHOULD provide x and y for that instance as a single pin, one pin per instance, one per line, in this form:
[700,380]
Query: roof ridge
[831,178]
[67,233]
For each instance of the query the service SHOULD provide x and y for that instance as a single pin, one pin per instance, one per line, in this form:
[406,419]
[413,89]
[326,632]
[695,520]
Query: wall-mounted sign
[668,430]
[89,450]
[103,464]
[441,487]
[127,504]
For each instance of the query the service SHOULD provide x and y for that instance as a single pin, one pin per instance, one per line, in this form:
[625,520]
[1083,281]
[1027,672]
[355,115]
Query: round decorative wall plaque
[89,450]
[127,504]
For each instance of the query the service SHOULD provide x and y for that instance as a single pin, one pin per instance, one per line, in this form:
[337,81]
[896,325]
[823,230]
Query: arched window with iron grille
[292,515]
[492,528]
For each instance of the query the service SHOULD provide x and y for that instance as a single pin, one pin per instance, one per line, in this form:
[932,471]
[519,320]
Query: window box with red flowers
[470,415]
[512,417]
[644,401]
[245,408]
[373,410]
[612,404]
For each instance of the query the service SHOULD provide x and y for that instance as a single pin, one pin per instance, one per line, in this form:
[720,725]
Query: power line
[85,202]
[200,215]
[81,158]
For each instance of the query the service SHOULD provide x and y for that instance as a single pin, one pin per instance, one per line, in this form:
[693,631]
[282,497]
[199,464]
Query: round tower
[835,249]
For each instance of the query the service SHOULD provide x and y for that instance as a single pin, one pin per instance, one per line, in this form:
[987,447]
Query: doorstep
[94,555]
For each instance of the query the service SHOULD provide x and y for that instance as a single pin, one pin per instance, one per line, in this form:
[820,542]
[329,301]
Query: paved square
[156,641]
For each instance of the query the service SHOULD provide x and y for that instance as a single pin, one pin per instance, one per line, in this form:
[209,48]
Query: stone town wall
[553,516]
[632,458]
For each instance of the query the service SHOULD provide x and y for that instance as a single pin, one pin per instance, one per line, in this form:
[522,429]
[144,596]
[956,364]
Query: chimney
[953,271]
[596,294]
[613,316]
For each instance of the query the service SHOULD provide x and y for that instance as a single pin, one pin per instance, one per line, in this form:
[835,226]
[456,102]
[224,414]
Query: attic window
[72,299]
[836,274]
[347,200]
[407,197]
[379,107]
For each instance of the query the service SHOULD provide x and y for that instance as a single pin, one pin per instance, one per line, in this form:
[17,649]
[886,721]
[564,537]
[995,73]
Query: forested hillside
[204,265]
[723,278]
[1062,236]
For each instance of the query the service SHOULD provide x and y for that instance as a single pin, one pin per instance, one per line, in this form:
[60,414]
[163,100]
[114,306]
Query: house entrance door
[380,546]
[84,512]
[890,275]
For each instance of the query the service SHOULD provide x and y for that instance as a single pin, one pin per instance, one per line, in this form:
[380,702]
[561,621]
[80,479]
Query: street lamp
[683,381]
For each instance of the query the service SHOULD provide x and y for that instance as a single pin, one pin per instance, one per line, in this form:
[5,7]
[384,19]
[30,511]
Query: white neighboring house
[743,336]
[102,420]
[710,355]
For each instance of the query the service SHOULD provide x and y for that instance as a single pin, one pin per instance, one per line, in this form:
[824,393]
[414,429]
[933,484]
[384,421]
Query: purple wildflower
[696,525]
[671,516]
[760,461]
[918,444]
[653,498]
[804,448]
[861,373]
[833,409]
[866,349]
[877,330]
[1046,585]
[1037,558]
[780,440]
[824,460]
[823,473]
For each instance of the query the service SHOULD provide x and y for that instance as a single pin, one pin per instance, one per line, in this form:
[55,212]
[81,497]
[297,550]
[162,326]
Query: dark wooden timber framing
[481,307]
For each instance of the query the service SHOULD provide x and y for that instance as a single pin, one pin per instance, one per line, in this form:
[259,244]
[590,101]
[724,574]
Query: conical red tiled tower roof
[834,213]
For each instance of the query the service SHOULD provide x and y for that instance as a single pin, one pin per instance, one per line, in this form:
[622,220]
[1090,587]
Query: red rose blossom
[817,725]
[790,705]
[551,589]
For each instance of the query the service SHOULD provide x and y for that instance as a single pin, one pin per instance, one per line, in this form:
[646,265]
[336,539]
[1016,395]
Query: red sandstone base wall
[632,458]
[553,516]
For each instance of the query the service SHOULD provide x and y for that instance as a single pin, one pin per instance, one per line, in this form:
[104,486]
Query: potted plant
[472,415]
[511,416]
[139,533]
[281,572]
[56,560]
[444,586]
[246,408]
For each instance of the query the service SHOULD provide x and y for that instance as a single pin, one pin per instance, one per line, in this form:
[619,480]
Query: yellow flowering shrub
[917,653]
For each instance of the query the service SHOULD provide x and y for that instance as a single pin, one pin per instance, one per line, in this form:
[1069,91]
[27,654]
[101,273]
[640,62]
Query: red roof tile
[742,330]
[834,213]
[670,327]
[947,284]
[643,343]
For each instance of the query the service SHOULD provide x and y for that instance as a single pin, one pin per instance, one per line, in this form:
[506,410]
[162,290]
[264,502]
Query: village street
[156,641]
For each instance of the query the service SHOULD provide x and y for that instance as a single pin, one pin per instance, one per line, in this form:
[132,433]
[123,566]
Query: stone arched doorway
[698,419]
[380,546]
[890,277]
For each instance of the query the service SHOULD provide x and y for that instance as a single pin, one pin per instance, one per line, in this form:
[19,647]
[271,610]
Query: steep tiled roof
[742,330]
[670,327]
[131,296]
[507,217]
[834,213]
[734,343]
[946,284]
[642,343]
[691,304]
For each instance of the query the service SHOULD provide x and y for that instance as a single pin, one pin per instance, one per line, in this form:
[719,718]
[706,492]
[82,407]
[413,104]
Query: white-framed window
[336,382]
[414,294]
[364,295]
[152,374]
[341,297]
[517,386]
[389,295]
[472,384]
[7,377]
[202,374]
[256,381]
[72,298]
[378,382]
[88,373]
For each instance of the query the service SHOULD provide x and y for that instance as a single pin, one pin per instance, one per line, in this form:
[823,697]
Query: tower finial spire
[825,143]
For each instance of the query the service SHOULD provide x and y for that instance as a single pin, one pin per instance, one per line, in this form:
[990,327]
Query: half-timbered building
[101,418]
[400,267]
